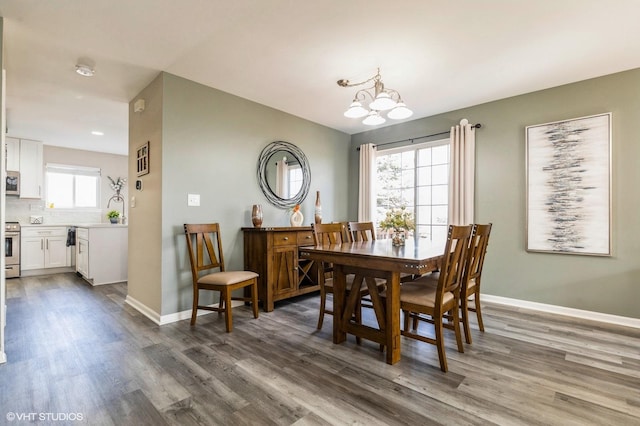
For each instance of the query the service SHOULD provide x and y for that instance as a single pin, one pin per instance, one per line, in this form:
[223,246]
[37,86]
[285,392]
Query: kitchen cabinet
[44,247]
[273,254]
[31,169]
[101,253]
[12,149]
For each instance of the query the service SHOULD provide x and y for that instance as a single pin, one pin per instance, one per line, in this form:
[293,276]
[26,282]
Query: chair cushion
[227,277]
[422,292]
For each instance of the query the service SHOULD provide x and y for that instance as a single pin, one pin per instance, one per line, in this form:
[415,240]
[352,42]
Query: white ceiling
[288,54]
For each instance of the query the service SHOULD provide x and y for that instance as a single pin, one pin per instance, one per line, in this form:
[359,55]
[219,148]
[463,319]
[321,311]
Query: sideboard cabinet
[273,254]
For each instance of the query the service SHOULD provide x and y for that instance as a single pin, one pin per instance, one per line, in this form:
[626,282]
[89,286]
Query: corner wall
[210,142]
[608,285]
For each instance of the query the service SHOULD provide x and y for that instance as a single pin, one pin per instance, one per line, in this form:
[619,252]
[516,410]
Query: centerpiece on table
[399,221]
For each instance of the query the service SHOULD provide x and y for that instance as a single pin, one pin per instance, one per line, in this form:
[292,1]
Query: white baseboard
[169,318]
[143,309]
[561,310]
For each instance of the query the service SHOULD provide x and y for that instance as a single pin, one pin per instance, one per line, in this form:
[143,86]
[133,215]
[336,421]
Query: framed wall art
[569,186]
[142,159]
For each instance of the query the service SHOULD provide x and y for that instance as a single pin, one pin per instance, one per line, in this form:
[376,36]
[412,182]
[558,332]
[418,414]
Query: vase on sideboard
[318,212]
[256,215]
[296,218]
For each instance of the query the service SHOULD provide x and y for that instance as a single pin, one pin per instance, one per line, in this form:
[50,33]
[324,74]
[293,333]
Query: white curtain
[282,178]
[367,196]
[462,173]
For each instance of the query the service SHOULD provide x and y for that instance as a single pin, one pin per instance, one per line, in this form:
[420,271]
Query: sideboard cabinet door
[273,254]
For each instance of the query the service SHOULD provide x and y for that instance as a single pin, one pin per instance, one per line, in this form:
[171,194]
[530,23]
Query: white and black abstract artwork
[569,186]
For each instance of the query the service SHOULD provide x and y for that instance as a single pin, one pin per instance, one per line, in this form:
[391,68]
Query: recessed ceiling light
[97,133]
[85,70]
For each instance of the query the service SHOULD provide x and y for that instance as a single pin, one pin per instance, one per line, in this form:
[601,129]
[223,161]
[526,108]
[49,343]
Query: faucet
[117,198]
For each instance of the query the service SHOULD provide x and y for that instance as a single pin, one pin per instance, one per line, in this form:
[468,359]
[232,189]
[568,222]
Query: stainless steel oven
[12,249]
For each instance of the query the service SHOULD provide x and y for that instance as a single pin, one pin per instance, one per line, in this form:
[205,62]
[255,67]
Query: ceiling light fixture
[97,133]
[85,70]
[382,99]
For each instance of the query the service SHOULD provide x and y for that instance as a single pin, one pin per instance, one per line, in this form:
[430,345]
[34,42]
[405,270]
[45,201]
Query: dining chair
[478,244]
[205,254]
[334,233]
[361,231]
[431,297]
[470,286]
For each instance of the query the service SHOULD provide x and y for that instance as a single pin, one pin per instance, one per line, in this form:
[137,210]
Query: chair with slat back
[432,297]
[333,233]
[205,254]
[473,272]
[362,231]
[470,286]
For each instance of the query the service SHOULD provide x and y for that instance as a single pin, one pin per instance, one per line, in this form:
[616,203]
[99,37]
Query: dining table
[370,261]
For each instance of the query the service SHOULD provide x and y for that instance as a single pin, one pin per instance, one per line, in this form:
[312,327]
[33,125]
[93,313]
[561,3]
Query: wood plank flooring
[79,350]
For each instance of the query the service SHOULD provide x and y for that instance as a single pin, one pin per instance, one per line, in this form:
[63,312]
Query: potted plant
[113,216]
[398,220]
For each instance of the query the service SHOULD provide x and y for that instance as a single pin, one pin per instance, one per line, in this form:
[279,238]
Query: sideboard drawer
[284,238]
[305,238]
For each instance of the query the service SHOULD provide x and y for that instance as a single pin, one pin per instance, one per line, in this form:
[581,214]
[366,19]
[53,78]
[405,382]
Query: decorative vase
[256,215]
[113,219]
[398,237]
[318,212]
[296,218]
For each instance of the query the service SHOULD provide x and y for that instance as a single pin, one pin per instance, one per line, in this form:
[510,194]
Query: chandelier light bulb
[356,110]
[400,112]
[373,119]
[382,102]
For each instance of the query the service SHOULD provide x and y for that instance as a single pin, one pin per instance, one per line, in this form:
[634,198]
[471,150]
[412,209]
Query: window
[72,187]
[295,179]
[416,177]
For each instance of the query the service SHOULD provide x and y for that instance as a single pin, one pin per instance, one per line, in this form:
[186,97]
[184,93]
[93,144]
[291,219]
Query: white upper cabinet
[31,169]
[13,154]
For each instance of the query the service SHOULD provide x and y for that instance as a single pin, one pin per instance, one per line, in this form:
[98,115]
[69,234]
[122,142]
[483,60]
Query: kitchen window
[72,187]
[416,177]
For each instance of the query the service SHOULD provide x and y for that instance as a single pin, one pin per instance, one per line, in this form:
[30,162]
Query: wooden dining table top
[374,259]
[415,257]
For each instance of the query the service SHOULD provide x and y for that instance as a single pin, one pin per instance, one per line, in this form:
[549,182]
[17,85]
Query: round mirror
[283,174]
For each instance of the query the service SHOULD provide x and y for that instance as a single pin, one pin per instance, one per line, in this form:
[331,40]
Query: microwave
[12,183]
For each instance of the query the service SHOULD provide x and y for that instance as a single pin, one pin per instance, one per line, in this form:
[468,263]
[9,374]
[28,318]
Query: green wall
[602,284]
[210,142]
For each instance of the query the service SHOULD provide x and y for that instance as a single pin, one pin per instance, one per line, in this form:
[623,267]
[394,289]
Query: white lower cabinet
[44,247]
[101,254]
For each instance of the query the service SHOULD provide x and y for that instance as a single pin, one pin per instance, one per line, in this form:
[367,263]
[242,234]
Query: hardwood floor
[77,350]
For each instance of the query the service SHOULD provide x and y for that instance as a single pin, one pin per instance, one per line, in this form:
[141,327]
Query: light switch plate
[193,200]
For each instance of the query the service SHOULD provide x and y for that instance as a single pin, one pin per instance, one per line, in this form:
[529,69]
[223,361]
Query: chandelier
[382,99]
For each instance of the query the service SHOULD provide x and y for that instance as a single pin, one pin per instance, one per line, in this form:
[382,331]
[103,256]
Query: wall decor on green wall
[569,186]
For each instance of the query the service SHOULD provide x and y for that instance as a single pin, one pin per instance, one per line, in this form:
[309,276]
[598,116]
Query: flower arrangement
[117,184]
[398,220]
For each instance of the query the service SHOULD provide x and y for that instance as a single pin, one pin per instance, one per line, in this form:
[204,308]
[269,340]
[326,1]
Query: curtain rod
[475,126]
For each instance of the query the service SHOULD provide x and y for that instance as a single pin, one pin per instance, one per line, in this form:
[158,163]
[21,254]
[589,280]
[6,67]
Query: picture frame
[142,159]
[568,182]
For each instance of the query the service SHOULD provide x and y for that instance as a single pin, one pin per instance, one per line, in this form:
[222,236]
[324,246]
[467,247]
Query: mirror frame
[263,160]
